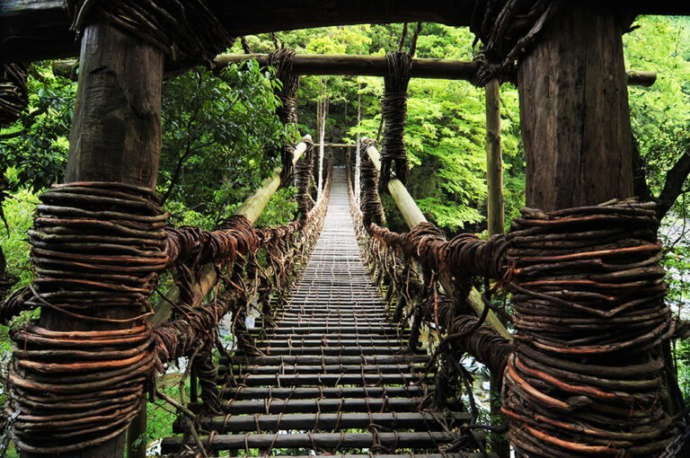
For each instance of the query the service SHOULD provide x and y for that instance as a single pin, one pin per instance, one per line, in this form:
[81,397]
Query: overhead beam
[40,29]
[306,64]
[362,65]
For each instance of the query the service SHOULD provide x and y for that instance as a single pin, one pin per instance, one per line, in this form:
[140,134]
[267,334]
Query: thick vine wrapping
[394,110]
[97,247]
[13,92]
[282,60]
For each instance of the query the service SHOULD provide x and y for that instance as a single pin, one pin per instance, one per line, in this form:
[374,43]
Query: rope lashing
[13,92]
[508,29]
[370,201]
[588,294]
[186,32]
[574,383]
[282,60]
[98,248]
[394,108]
[303,178]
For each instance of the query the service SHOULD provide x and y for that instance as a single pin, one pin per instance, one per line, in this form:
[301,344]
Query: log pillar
[574,112]
[576,131]
[116,136]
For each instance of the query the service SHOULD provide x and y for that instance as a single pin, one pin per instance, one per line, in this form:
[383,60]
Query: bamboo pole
[254,205]
[413,216]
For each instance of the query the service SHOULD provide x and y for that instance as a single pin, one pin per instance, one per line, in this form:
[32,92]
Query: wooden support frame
[116,135]
[359,65]
[40,29]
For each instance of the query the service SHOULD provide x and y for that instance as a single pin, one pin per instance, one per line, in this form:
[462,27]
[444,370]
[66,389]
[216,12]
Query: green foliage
[19,210]
[660,114]
[281,209]
[37,144]
[221,138]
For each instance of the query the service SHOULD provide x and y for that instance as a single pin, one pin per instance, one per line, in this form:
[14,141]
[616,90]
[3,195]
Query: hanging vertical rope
[370,203]
[321,114]
[282,61]
[394,105]
[303,177]
[358,151]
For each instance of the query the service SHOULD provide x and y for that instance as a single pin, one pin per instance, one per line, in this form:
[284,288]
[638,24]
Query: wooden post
[136,435]
[576,126]
[574,112]
[495,225]
[494,159]
[116,137]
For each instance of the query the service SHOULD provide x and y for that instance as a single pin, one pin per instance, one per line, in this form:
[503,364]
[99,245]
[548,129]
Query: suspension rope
[394,107]
[508,29]
[282,60]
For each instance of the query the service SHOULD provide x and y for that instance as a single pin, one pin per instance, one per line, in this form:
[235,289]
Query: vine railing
[98,245]
[586,370]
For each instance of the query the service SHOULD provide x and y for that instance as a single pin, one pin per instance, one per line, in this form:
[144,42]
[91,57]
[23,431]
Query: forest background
[221,132]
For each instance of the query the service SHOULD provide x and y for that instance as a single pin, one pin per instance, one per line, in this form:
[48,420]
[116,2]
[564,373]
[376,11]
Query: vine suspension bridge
[333,362]
[362,355]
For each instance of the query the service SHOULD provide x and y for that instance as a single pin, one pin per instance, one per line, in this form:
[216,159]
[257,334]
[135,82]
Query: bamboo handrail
[413,216]
[252,208]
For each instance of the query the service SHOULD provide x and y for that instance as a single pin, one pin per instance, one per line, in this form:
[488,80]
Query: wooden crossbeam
[351,65]
[40,29]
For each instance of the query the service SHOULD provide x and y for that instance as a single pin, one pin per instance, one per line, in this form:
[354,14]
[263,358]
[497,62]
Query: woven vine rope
[13,93]
[98,248]
[186,31]
[508,29]
[394,110]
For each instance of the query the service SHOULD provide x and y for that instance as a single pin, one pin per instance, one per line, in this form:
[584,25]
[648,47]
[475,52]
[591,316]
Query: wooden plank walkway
[337,375]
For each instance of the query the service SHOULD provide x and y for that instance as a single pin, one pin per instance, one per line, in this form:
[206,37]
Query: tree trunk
[574,113]
[115,137]
[577,136]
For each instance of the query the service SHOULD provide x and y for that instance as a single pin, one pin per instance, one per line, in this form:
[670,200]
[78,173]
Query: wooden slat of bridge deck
[334,363]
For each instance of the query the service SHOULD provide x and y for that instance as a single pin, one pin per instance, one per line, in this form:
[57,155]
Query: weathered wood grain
[574,113]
